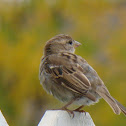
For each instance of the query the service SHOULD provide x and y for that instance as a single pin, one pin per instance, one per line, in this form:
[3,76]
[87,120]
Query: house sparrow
[69,78]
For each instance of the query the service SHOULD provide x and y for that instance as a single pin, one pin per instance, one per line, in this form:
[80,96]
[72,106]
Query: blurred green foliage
[26,25]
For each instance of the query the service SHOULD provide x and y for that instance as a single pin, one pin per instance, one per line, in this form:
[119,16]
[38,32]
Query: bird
[69,77]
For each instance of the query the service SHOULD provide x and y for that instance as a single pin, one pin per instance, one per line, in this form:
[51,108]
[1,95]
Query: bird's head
[60,43]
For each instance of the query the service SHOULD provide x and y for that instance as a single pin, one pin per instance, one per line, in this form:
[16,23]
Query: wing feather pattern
[67,72]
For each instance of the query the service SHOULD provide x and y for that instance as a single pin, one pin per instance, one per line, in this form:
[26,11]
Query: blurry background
[25,26]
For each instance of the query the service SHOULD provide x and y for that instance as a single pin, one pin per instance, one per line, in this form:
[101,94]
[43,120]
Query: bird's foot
[79,109]
[70,112]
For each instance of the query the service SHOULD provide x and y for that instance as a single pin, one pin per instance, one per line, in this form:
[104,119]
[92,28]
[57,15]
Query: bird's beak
[76,44]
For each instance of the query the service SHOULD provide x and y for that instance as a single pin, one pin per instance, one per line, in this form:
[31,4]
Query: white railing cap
[63,118]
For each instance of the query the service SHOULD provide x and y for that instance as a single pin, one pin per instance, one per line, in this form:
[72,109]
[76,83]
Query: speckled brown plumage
[69,77]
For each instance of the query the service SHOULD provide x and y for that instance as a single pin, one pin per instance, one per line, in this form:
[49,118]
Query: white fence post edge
[63,118]
[2,120]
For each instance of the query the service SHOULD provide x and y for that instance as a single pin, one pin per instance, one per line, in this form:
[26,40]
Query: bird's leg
[78,109]
[65,107]
[69,103]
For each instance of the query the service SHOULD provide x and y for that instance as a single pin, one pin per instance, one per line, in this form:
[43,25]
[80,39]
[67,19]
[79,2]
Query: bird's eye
[70,42]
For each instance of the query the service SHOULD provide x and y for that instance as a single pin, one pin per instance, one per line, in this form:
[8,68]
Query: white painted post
[63,118]
[2,120]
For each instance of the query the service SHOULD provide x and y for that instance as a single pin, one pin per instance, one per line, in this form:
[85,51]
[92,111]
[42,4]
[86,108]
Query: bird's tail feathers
[104,93]
[123,109]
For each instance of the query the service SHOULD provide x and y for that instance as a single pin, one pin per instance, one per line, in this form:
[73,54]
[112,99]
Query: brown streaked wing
[67,70]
